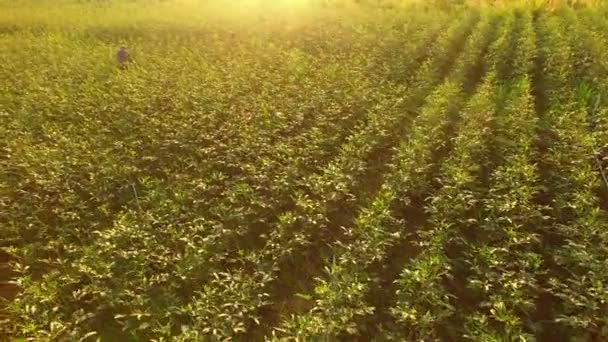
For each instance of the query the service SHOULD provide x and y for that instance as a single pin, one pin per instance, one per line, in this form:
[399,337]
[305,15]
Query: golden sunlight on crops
[303,170]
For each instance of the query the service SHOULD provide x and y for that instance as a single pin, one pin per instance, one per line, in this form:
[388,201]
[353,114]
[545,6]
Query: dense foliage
[303,169]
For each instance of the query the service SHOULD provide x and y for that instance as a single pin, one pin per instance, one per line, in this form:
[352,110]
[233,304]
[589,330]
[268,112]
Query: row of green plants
[592,41]
[578,222]
[432,299]
[505,258]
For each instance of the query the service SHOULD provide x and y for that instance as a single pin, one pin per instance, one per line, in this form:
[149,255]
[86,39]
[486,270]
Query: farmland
[304,170]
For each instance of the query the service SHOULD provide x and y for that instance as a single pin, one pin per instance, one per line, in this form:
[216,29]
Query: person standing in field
[123,57]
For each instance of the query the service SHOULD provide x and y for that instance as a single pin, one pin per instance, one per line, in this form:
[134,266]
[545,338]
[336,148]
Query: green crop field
[303,170]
